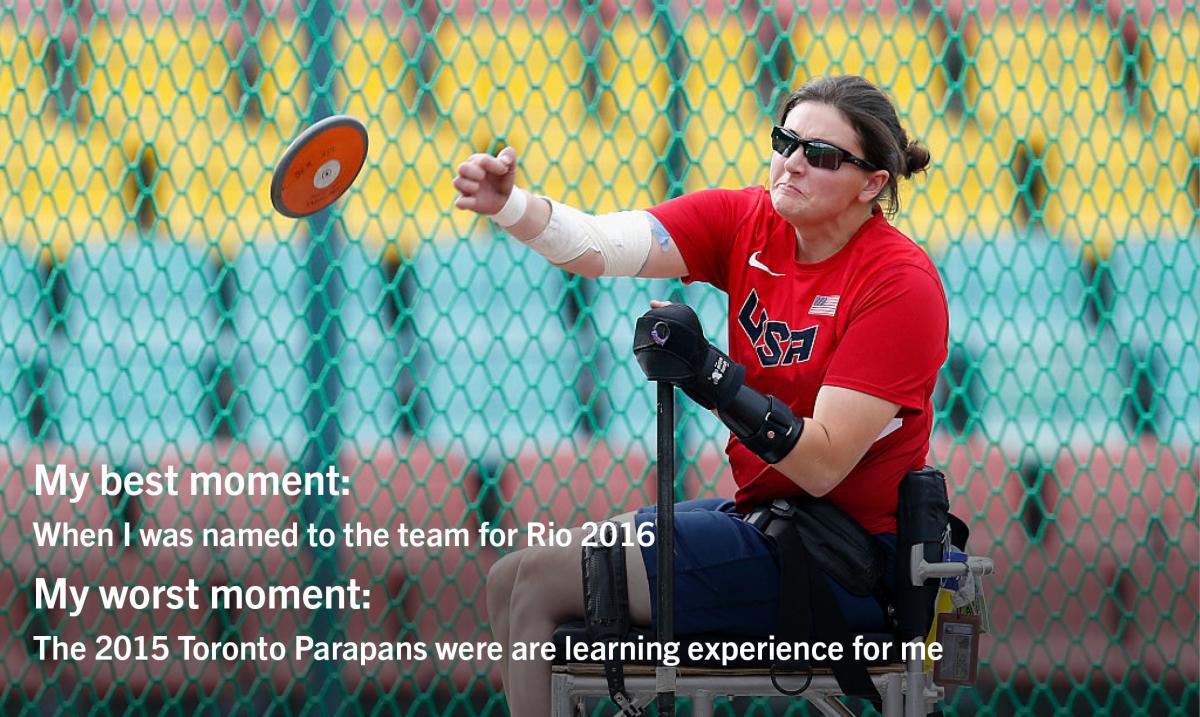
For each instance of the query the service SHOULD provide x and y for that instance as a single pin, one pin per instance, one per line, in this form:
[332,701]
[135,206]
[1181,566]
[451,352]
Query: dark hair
[873,117]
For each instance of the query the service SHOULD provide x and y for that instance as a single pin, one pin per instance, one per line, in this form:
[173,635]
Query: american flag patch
[825,305]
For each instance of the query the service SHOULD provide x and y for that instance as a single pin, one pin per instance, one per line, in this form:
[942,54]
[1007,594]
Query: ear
[875,183]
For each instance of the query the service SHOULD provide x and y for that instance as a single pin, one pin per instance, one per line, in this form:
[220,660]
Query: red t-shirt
[872,318]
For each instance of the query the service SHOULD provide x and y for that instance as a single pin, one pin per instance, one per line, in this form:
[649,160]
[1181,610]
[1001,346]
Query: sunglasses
[819,154]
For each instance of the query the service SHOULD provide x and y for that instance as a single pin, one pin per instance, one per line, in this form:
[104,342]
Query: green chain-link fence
[155,312]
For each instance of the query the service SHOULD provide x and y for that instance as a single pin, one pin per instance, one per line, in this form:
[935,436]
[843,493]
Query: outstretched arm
[618,244]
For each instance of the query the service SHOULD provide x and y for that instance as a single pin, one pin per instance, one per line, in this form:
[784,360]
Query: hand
[484,182]
[670,346]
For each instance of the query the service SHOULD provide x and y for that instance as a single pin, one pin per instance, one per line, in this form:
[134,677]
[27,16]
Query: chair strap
[606,614]
[808,610]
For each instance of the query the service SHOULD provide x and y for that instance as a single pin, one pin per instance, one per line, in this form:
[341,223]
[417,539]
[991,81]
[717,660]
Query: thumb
[508,156]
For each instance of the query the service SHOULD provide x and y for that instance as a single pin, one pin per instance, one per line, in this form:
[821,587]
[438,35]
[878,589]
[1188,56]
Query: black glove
[670,346]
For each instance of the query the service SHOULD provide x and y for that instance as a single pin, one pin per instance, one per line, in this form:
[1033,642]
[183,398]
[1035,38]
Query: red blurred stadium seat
[172,677]
[389,619]
[1080,598]
[1132,507]
[20,670]
[1113,560]
[415,590]
[250,566]
[113,567]
[408,483]
[23,507]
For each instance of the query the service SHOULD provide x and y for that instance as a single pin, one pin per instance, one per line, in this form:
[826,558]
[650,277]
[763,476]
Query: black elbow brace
[764,424]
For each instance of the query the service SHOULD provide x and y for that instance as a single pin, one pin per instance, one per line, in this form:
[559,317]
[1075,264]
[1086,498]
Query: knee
[539,566]
[550,581]
[502,576]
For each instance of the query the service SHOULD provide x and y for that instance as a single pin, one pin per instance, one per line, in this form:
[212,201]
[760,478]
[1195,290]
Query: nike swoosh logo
[754,262]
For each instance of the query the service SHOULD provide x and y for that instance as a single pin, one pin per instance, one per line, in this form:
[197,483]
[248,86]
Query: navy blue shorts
[727,574]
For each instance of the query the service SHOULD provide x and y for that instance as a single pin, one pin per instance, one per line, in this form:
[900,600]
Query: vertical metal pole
[581,293]
[323,682]
[398,311]
[676,162]
[220,371]
[914,702]
[55,293]
[664,528]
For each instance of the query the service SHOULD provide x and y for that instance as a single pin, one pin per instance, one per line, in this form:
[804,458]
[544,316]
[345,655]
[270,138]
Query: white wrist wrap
[622,238]
[513,209]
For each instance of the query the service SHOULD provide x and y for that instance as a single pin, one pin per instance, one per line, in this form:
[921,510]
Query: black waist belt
[842,548]
[762,516]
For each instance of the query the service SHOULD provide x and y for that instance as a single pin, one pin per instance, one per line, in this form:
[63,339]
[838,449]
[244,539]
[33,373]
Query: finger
[465,203]
[481,163]
[495,165]
[466,186]
[656,304]
[471,170]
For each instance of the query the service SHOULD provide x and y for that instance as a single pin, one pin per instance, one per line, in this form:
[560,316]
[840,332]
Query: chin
[784,202]
[788,206]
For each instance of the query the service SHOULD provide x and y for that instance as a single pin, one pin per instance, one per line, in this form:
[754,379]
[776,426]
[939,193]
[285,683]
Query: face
[808,195]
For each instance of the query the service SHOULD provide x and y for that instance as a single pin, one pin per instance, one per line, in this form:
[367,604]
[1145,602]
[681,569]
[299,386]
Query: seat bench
[703,682]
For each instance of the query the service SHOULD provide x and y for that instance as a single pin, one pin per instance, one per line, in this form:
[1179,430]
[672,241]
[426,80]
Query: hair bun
[916,159]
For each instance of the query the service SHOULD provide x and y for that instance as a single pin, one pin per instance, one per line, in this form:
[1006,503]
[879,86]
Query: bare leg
[500,580]
[639,585]
[546,592]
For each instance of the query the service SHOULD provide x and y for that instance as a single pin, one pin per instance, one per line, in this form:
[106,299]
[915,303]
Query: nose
[796,163]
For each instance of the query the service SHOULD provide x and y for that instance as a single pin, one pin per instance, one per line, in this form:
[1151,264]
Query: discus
[319,166]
